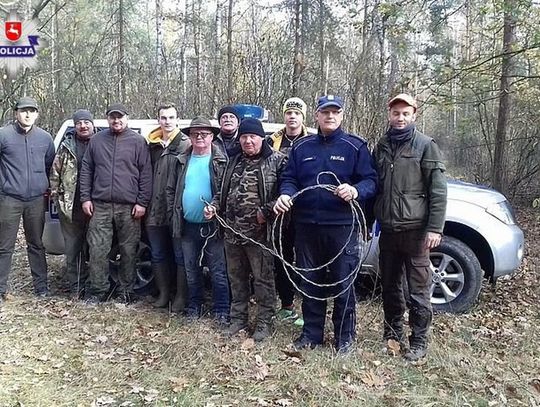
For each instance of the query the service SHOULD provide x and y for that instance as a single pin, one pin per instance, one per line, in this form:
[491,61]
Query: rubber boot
[162,278]
[179,303]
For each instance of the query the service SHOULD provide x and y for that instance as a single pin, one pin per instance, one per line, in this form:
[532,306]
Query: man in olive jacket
[165,142]
[411,208]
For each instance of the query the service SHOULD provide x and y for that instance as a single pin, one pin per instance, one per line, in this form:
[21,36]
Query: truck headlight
[502,211]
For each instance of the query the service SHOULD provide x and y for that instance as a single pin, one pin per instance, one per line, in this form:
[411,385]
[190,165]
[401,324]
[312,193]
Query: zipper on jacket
[27,166]
[113,164]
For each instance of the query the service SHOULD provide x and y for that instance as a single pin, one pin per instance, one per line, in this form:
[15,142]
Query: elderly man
[165,142]
[116,187]
[227,139]
[246,198]
[294,114]
[26,156]
[197,177]
[66,193]
[323,220]
[411,208]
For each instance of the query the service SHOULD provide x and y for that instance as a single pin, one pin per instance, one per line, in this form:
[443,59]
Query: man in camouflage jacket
[246,199]
[65,191]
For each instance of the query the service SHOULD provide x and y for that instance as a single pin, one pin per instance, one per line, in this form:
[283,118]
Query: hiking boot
[93,299]
[235,327]
[262,331]
[303,342]
[415,353]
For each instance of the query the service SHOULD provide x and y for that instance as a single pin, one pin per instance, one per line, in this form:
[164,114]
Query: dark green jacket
[412,186]
[163,163]
[176,184]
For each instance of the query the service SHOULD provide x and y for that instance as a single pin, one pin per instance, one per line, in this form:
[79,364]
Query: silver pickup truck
[481,238]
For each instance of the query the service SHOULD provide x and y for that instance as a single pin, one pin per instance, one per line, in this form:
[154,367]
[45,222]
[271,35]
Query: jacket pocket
[413,206]
[38,157]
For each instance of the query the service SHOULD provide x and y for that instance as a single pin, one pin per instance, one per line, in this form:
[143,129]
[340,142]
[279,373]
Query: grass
[57,352]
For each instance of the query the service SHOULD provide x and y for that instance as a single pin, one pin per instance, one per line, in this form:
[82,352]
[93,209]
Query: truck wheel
[457,276]
[144,280]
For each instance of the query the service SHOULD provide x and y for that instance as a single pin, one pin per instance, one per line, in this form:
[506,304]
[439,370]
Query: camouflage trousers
[110,218]
[76,252]
[243,261]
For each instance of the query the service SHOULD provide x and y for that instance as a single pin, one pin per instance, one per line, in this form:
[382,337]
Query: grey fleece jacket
[116,168]
[25,161]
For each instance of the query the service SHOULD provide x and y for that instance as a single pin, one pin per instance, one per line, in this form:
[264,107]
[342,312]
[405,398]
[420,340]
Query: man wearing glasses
[26,156]
[116,187]
[194,181]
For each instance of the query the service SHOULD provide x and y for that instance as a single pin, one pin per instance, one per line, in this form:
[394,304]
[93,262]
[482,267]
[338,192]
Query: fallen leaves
[261,370]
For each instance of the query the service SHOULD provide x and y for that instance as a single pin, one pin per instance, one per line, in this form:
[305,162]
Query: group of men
[178,182]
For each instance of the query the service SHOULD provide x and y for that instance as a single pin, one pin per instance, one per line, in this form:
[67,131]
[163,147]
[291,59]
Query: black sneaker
[303,342]
[415,353]
[345,348]
[42,294]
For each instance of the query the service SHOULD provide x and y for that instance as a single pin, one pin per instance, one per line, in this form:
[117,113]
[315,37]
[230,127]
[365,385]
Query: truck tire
[457,276]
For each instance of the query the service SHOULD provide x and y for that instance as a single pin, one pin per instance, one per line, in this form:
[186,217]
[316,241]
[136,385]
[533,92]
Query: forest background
[473,65]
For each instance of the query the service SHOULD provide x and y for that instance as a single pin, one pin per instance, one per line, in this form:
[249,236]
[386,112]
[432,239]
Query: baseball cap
[405,98]
[295,104]
[26,101]
[329,100]
[117,108]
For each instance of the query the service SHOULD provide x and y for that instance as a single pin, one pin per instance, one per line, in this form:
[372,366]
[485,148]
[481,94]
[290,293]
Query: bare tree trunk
[499,157]
[183,66]
[230,53]
[196,10]
[159,47]
[121,53]
[297,65]
[216,59]
[322,48]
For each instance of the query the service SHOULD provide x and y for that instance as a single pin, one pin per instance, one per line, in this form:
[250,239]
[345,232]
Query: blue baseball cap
[329,100]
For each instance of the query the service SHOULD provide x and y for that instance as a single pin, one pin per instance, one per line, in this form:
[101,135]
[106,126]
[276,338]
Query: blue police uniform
[323,223]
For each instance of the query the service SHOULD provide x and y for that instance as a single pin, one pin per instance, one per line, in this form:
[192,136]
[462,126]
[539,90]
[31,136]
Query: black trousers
[316,245]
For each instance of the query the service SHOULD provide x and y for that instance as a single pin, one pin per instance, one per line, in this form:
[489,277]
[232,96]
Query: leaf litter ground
[65,353]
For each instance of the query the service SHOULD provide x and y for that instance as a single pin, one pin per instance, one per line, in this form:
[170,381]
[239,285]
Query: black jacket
[117,169]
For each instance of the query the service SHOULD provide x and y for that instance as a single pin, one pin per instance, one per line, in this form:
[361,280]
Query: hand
[138,211]
[88,208]
[346,192]
[209,211]
[432,240]
[283,204]
[261,219]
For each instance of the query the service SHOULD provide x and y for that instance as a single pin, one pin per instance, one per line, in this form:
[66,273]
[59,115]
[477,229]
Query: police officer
[323,220]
